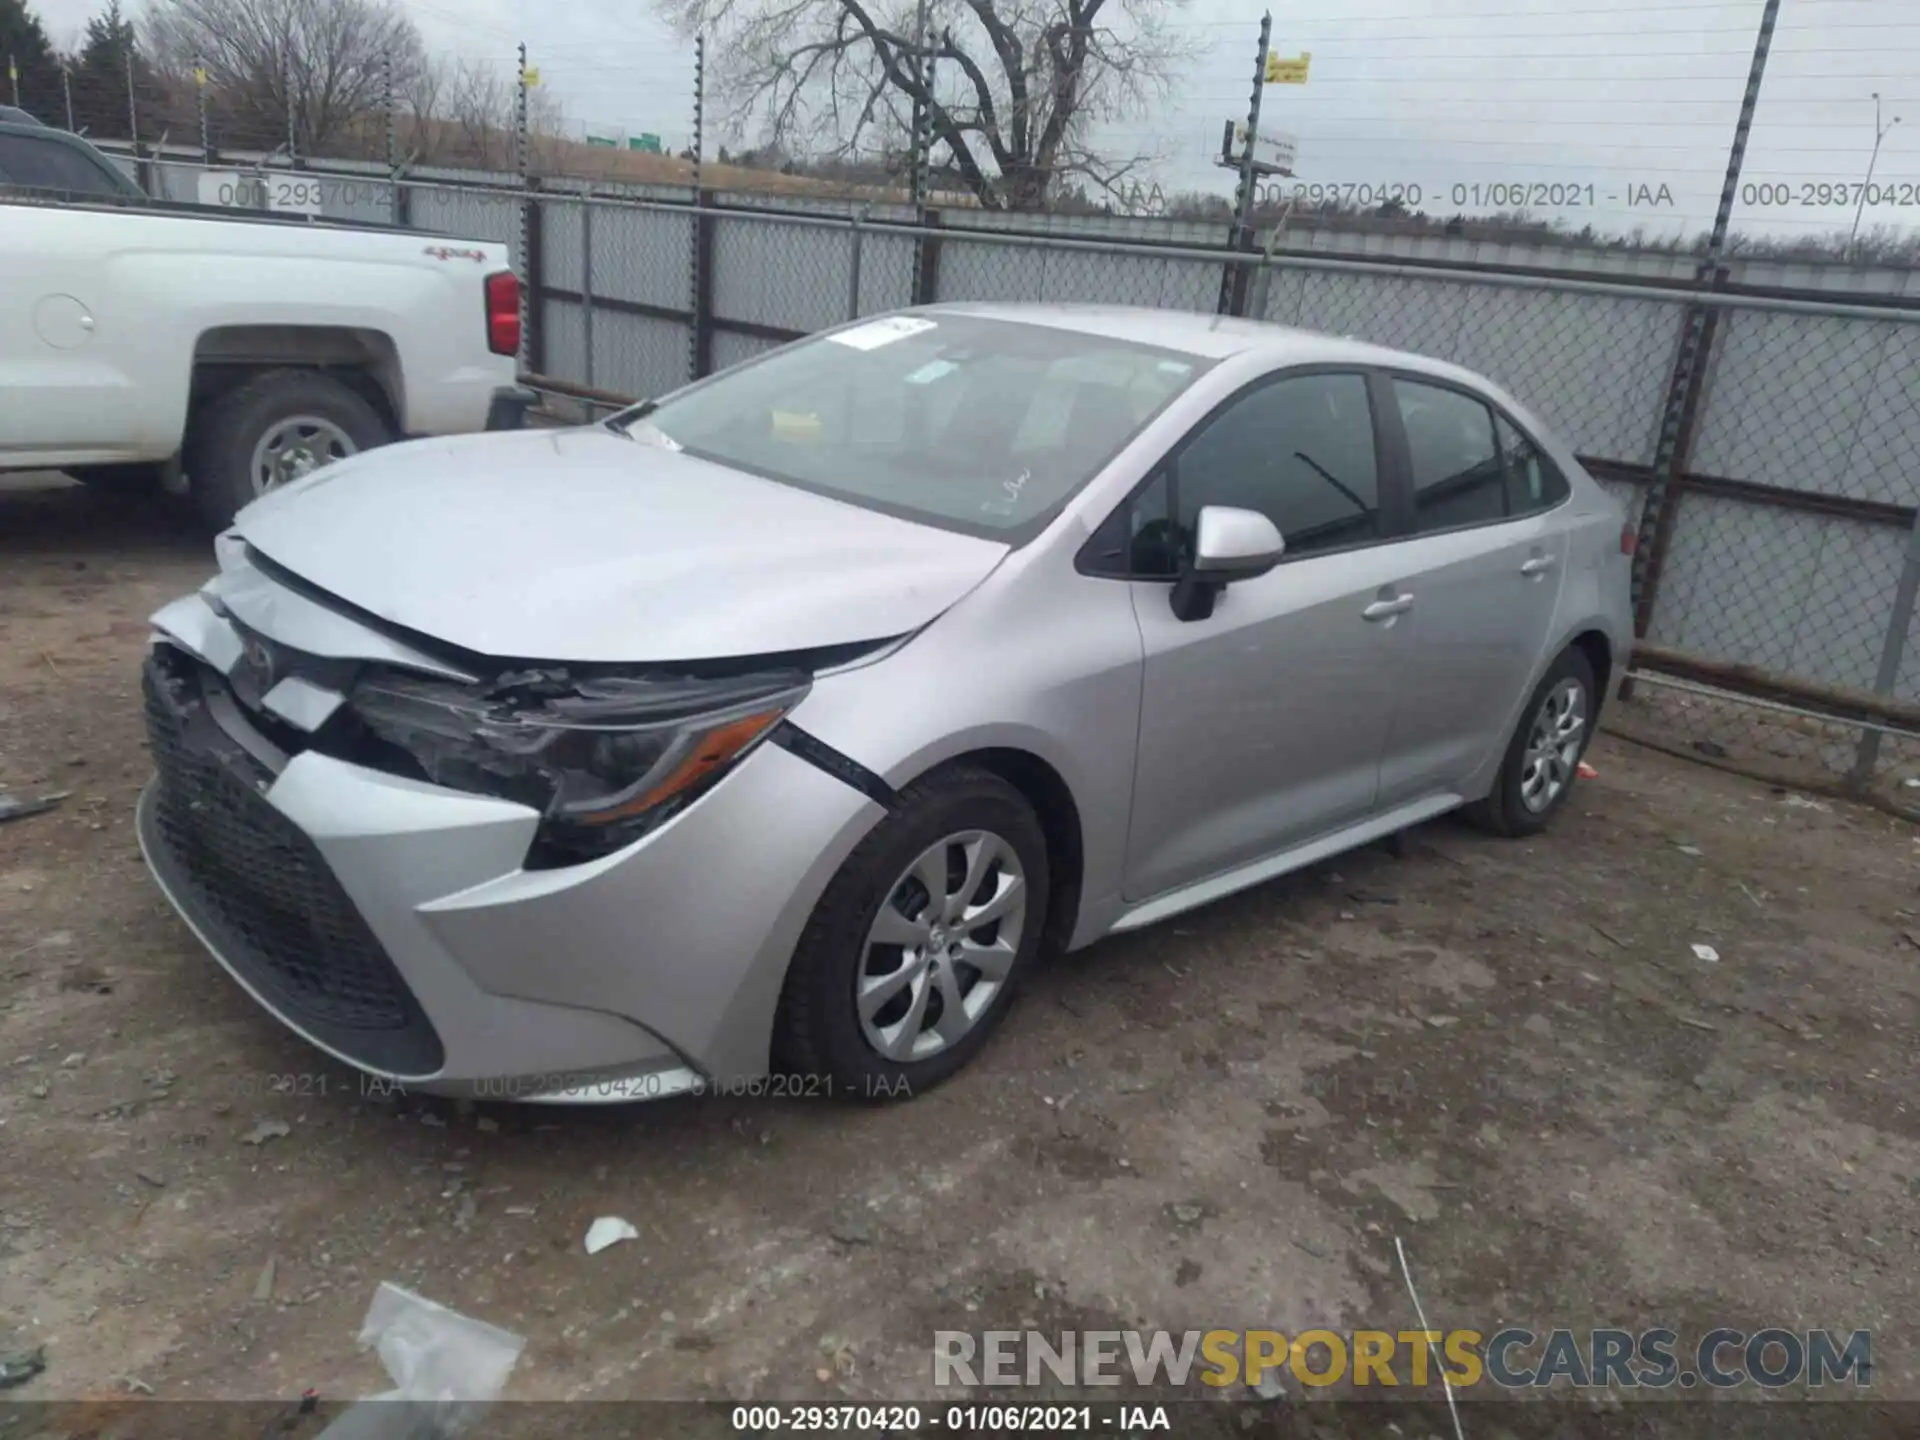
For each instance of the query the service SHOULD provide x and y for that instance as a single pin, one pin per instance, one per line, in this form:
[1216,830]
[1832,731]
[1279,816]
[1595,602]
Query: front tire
[1542,761]
[270,430]
[915,951]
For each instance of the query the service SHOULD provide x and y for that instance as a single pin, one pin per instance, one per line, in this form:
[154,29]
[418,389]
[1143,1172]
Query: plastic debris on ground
[608,1230]
[266,1130]
[1586,771]
[19,1366]
[13,807]
[446,1368]
[1706,953]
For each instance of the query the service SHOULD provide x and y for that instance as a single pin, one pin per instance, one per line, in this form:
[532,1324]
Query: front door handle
[1387,609]
[1538,565]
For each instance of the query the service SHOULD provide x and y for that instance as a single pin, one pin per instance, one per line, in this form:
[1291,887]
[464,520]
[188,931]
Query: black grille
[260,890]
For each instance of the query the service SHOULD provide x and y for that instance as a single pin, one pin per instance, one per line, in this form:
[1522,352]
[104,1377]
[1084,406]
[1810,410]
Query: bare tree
[1021,87]
[324,62]
[464,112]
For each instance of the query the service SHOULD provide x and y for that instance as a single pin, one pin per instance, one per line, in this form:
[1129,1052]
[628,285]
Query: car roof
[1212,337]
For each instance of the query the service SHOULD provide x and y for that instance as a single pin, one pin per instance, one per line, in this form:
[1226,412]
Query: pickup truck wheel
[271,430]
[119,479]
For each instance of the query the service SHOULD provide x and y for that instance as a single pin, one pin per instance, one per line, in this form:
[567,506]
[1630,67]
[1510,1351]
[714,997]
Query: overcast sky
[1624,96]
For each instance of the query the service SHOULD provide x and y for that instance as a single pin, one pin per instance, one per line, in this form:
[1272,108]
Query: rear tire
[990,847]
[313,414]
[1541,763]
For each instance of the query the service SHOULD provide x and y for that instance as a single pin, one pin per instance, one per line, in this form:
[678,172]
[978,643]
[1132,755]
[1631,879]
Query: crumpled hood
[582,545]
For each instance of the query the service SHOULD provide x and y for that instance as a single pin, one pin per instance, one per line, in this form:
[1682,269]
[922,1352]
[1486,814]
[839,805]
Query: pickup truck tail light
[1629,539]
[503,313]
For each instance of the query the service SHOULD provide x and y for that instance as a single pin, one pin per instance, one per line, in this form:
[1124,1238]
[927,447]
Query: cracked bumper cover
[648,972]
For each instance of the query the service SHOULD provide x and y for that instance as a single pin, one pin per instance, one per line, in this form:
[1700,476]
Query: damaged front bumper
[392,922]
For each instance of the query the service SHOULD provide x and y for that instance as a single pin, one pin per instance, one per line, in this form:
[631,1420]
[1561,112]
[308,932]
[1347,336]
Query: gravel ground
[1506,1054]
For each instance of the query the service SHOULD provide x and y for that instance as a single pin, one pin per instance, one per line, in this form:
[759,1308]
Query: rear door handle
[1538,565]
[1387,609]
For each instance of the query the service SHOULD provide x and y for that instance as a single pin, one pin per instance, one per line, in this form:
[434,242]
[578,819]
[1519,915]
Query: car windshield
[986,426]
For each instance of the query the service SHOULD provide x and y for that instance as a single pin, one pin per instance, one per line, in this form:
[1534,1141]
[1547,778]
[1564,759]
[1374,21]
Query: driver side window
[1300,451]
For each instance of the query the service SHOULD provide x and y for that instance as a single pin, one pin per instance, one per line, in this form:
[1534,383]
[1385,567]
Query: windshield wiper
[1322,472]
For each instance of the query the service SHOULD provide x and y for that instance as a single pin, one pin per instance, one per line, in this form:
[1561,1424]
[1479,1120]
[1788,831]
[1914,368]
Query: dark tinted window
[1457,475]
[36,164]
[1301,452]
[1532,481]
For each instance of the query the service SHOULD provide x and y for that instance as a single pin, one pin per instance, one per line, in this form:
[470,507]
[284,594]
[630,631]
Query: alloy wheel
[942,945]
[1554,738]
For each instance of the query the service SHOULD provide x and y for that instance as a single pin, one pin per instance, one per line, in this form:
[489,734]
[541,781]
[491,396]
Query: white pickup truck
[143,342]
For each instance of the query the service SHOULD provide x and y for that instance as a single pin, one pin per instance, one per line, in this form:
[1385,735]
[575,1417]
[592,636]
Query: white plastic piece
[608,1230]
[446,1368]
[875,333]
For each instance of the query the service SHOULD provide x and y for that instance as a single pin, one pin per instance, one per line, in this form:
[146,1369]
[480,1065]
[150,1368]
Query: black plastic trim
[508,408]
[816,752]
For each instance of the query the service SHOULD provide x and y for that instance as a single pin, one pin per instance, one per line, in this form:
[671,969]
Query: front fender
[1056,677]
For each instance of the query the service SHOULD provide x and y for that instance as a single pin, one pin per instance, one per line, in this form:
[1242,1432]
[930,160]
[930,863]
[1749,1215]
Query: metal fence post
[1892,650]
[1233,278]
[529,216]
[700,243]
[586,283]
[1696,339]
[853,265]
[534,293]
[703,224]
[926,264]
[200,109]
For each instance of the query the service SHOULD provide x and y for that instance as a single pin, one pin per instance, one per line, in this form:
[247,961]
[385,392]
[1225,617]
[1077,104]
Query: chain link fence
[1775,583]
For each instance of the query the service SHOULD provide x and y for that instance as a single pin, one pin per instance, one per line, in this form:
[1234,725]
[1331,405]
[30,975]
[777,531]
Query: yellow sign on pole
[1282,71]
[533,76]
[199,75]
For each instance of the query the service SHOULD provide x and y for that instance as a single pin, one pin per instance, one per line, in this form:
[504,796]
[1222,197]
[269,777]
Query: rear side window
[1533,482]
[48,165]
[1459,476]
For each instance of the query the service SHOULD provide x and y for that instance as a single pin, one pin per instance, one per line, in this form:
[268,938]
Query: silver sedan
[764,735]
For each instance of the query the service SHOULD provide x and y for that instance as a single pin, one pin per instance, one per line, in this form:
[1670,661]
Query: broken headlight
[604,760]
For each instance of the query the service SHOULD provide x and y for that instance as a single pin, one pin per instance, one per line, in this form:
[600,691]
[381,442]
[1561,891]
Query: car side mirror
[1229,545]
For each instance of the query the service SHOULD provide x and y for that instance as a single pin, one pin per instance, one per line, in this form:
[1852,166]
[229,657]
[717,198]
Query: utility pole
[1880,132]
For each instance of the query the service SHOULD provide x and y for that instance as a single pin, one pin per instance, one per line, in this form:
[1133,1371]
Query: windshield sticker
[875,333]
[794,425]
[931,371]
[1174,367]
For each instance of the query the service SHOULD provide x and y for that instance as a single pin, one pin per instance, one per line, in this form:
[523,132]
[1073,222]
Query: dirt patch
[1506,1054]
